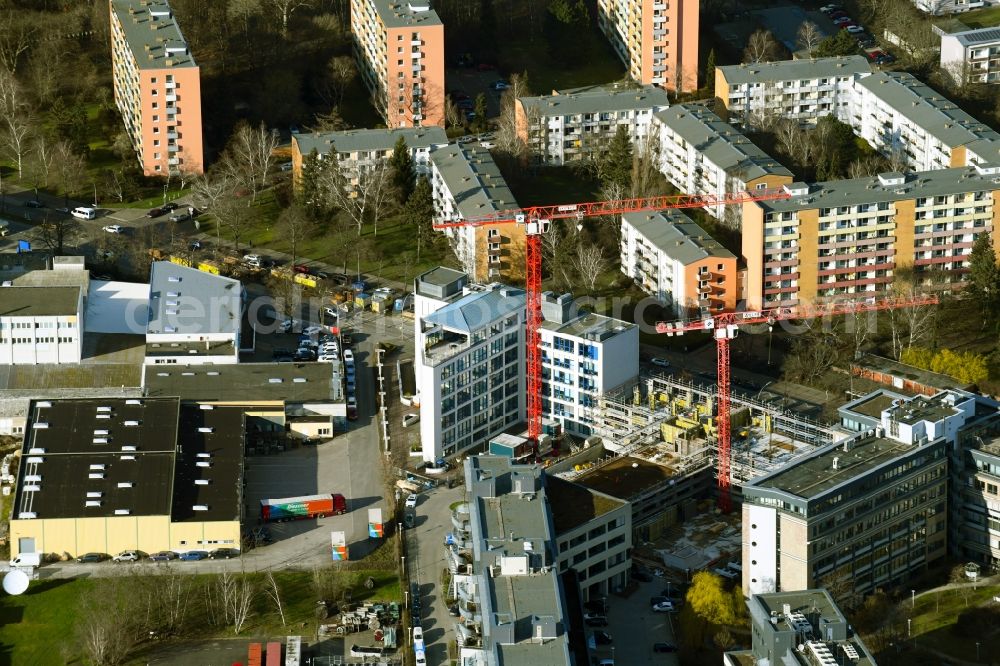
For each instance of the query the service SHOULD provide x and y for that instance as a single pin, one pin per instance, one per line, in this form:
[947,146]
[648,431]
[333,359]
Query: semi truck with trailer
[300,508]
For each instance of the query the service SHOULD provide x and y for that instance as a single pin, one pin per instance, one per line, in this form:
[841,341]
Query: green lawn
[37,628]
[934,619]
[982,18]
[520,54]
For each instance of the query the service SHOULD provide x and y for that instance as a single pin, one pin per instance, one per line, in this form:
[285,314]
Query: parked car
[90,558]
[662,362]
[664,607]
[348,356]
[156,212]
[592,620]
[253,260]
[126,556]
[664,647]
[657,600]
[453,610]
[285,166]
[411,501]
[194,555]
[84,213]
[163,556]
[855,29]
[300,268]
[602,638]
[500,85]
[113,228]
[169,206]
[826,9]
[885,59]
[287,325]
[842,20]
[180,217]
[224,553]
[196,244]
[305,354]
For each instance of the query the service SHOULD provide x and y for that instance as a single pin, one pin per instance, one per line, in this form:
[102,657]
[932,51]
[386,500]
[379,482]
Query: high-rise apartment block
[157,87]
[678,262]
[579,123]
[840,239]
[400,52]
[656,39]
[972,56]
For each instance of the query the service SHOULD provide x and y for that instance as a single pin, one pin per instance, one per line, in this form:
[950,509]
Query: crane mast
[725,326]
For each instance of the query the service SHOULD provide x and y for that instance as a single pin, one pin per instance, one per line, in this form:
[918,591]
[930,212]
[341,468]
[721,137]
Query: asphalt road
[425,562]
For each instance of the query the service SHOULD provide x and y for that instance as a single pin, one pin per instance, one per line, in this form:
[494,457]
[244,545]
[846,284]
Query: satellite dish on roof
[15,582]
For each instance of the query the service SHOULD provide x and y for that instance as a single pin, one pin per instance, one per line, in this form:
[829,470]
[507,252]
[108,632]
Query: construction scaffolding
[671,420]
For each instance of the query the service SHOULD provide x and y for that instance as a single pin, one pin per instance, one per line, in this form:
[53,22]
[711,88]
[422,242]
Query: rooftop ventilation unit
[31,488]
[129,447]
[92,503]
[299,380]
[274,380]
[206,429]
[97,466]
[200,507]
[103,409]
[43,403]
[133,401]
[125,484]
[96,475]
[27,515]
[213,373]
[94,493]
[133,424]
[36,460]
[36,450]
[127,458]
[203,463]
[173,278]
[33,477]
[122,512]
[201,482]
[104,416]
[206,407]
[41,426]
[204,455]
[102,432]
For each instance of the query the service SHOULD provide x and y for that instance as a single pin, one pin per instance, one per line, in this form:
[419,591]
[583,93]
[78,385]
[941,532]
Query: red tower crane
[724,327]
[535,221]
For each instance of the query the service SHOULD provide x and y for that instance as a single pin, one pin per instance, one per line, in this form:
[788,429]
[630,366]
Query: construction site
[656,446]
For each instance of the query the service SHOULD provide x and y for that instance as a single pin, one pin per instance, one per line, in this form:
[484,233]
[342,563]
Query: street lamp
[908,624]
[763,387]
[913,598]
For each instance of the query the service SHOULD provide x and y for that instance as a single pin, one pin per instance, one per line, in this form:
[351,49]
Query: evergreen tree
[309,182]
[419,212]
[403,175]
[710,71]
[841,44]
[480,123]
[984,276]
[616,170]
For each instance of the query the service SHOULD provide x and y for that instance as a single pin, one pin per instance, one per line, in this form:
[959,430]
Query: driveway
[634,627]
[425,562]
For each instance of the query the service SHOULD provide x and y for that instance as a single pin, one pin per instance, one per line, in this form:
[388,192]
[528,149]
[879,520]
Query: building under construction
[660,448]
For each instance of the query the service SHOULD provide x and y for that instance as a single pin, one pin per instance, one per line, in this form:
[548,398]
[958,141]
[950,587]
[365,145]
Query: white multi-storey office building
[583,356]
[41,325]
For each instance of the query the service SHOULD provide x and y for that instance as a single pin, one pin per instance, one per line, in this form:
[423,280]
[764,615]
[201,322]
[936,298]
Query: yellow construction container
[180,261]
[208,267]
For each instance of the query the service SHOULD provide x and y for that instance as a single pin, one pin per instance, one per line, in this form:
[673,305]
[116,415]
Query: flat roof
[350,141]
[922,184]
[924,408]
[979,36]
[873,406]
[814,475]
[674,234]
[525,598]
[927,108]
[896,369]
[39,301]
[207,348]
[719,142]
[187,301]
[473,179]
[242,383]
[117,307]
[574,504]
[596,100]
[44,377]
[152,34]
[442,276]
[222,449]
[90,446]
[402,14]
[625,477]
[787,70]
[590,326]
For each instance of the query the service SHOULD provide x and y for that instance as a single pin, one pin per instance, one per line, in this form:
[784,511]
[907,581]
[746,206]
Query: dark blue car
[194,555]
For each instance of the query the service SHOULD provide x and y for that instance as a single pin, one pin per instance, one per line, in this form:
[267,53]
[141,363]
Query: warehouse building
[107,475]
[41,325]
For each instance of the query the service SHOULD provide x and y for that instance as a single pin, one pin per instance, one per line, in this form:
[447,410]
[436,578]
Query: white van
[84,213]
[26,560]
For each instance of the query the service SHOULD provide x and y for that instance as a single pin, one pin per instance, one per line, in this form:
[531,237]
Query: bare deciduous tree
[509,140]
[17,36]
[209,189]
[295,227]
[341,70]
[230,213]
[909,326]
[285,9]
[366,201]
[249,156]
[760,48]
[274,593]
[15,119]
[809,36]
[590,263]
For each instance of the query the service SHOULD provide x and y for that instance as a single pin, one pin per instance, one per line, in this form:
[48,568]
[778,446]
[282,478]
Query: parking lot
[635,628]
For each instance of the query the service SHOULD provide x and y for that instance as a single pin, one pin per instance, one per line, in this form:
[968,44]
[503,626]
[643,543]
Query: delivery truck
[298,508]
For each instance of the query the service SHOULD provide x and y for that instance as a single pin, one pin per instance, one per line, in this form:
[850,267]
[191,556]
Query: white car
[855,29]
[313,330]
[252,260]
[113,228]
[288,325]
[664,607]
[411,502]
[126,556]
[662,362]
